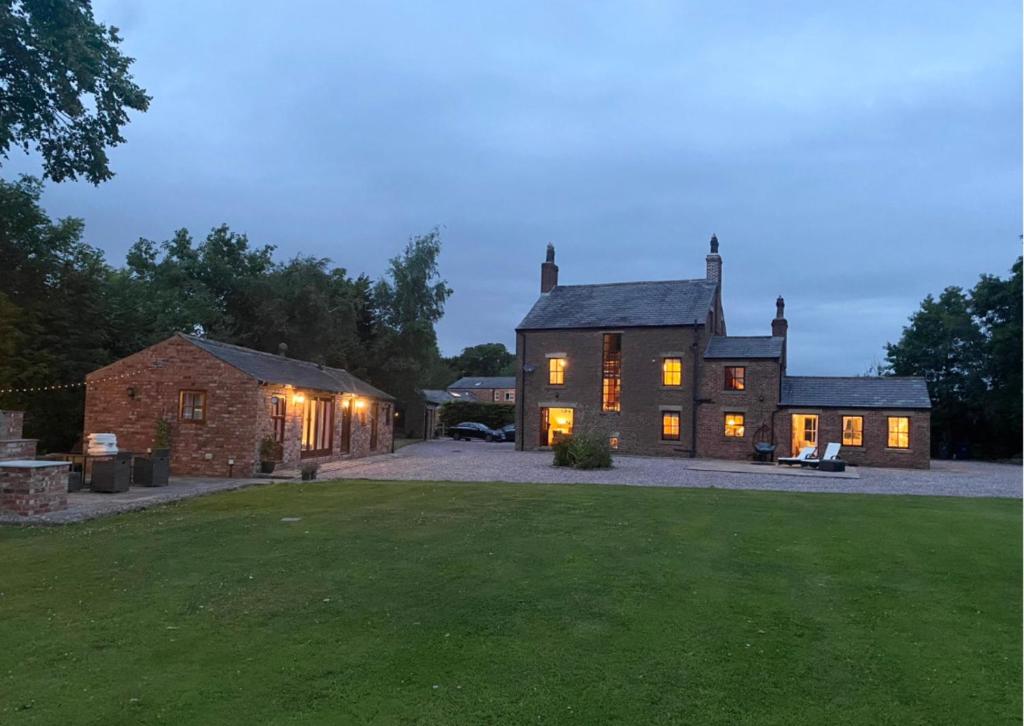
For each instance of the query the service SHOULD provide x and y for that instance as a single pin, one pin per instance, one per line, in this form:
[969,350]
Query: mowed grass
[428,603]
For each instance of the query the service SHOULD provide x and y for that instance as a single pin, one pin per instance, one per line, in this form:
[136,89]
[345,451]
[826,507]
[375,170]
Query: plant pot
[153,470]
[308,475]
[267,467]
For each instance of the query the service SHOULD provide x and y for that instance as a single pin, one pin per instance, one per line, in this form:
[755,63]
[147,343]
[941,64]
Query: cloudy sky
[852,156]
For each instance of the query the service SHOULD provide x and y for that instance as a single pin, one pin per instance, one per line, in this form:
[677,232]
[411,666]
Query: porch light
[360,403]
[298,398]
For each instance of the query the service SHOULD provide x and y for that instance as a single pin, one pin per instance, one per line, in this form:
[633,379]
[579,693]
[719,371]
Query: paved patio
[446,460]
[85,505]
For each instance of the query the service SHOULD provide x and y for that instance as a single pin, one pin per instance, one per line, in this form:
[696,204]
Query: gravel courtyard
[446,460]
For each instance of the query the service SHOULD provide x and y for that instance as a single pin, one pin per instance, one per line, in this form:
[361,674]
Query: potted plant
[309,470]
[154,470]
[270,454]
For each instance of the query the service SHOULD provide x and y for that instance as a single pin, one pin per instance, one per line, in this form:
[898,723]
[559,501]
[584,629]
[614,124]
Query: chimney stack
[780,327]
[549,271]
[714,262]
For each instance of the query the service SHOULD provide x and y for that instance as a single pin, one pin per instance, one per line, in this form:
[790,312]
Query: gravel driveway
[446,460]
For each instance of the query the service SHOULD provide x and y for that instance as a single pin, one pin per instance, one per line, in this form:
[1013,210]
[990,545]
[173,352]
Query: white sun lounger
[804,455]
[831,453]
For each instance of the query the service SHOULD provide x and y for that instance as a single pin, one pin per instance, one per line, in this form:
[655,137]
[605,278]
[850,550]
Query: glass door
[805,431]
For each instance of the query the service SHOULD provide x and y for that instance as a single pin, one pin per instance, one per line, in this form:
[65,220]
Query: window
[192,406]
[555,425]
[556,371]
[670,426]
[317,426]
[611,372]
[387,415]
[734,425]
[735,378]
[510,395]
[672,372]
[853,430]
[277,417]
[899,432]
[613,442]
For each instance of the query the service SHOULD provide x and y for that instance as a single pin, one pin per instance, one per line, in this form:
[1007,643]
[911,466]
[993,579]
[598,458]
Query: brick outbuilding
[221,401]
[649,365]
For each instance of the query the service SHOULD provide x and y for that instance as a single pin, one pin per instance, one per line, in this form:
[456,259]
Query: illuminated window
[853,430]
[899,432]
[672,372]
[611,372]
[613,442]
[317,426]
[556,371]
[192,406]
[735,378]
[670,426]
[734,425]
[555,425]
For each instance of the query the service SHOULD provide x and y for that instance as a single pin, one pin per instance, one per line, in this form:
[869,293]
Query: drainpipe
[520,391]
[693,387]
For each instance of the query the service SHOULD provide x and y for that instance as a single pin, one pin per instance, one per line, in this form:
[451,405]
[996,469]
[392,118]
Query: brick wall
[638,424]
[35,490]
[875,451]
[756,402]
[131,406]
[18,449]
[484,395]
[11,424]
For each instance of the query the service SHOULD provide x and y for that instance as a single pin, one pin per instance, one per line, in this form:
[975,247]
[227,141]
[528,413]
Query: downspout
[520,392]
[693,388]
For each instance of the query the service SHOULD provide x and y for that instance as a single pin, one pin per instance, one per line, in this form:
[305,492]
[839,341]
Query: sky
[851,156]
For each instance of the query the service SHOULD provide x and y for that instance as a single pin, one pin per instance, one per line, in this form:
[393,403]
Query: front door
[555,425]
[805,431]
[346,426]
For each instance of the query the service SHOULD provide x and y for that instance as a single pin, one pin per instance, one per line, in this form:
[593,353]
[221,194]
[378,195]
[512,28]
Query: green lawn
[486,603]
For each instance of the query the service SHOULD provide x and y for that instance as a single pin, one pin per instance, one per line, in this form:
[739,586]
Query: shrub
[494,415]
[162,435]
[270,450]
[583,451]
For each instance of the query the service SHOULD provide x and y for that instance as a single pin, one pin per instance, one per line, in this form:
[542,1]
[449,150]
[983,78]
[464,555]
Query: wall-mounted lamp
[360,403]
[345,403]
[298,398]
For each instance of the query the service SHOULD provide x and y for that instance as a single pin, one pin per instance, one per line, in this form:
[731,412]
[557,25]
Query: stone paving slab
[83,505]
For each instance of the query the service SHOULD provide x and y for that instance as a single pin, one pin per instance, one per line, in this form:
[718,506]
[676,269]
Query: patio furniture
[152,470]
[805,453]
[112,474]
[831,454]
[763,451]
[832,465]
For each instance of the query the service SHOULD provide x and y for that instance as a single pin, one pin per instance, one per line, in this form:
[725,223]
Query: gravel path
[479,461]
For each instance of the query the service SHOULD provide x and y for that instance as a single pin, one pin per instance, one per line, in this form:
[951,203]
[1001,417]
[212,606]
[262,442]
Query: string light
[69,386]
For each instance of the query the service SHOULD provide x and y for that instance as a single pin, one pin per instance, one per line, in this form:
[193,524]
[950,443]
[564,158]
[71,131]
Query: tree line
[967,344]
[65,312]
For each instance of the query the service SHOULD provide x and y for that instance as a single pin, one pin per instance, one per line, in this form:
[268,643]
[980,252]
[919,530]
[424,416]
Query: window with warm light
[555,425]
[853,430]
[670,427]
[317,426]
[735,378]
[192,406]
[556,371]
[611,372]
[735,425]
[672,372]
[613,442]
[899,432]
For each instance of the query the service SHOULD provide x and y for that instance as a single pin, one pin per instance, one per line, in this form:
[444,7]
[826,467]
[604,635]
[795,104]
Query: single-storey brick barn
[221,401]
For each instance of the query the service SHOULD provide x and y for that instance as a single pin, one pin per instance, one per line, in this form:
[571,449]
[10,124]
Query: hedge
[494,415]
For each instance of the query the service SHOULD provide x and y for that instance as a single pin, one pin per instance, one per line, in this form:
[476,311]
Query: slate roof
[622,304]
[484,382]
[736,346]
[435,396]
[280,369]
[855,392]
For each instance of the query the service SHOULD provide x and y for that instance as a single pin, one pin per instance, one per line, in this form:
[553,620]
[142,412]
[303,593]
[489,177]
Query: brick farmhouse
[649,366]
[485,389]
[222,400]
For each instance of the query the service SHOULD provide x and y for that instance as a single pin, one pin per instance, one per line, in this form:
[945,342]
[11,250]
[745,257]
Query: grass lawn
[490,603]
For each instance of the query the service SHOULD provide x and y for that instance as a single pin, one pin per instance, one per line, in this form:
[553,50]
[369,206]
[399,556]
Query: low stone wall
[33,487]
[17,449]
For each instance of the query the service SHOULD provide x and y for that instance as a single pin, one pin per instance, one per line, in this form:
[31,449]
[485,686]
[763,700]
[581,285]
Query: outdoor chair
[831,454]
[805,453]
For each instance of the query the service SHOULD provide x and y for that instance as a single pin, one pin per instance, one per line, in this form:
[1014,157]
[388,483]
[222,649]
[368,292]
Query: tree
[65,88]
[486,359]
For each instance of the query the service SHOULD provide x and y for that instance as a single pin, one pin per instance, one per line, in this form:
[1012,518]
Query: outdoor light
[298,398]
[344,403]
[360,403]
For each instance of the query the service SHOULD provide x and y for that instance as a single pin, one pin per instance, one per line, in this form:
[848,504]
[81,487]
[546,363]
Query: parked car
[471,430]
[508,432]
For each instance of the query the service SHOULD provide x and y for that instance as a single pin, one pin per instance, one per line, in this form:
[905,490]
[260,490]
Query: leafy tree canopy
[486,359]
[65,88]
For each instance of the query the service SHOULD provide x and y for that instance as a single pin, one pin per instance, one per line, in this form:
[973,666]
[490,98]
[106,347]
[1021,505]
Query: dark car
[471,430]
[508,432]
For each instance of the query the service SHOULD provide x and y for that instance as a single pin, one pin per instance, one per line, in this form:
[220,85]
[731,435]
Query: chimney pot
[282,350]
[714,262]
[548,270]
